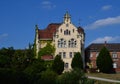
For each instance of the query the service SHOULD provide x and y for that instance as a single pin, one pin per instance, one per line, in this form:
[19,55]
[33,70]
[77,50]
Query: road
[103,79]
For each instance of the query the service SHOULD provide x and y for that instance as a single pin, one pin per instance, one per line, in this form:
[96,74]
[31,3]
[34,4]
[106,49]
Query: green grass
[103,75]
[107,76]
[103,82]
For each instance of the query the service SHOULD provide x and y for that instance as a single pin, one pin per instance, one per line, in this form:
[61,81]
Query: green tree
[6,55]
[47,77]
[58,64]
[34,70]
[104,61]
[77,61]
[47,50]
[75,76]
[18,60]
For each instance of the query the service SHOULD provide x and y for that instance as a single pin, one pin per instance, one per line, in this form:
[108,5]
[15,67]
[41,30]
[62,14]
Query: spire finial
[67,17]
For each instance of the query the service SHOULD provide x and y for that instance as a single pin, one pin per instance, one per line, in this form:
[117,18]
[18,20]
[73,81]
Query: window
[91,55]
[64,54]
[67,25]
[70,54]
[66,65]
[61,43]
[72,43]
[66,32]
[114,55]
[73,30]
[61,30]
[60,53]
[97,53]
[114,65]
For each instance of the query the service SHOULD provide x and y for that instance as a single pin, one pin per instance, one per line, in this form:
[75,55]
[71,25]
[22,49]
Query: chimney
[105,44]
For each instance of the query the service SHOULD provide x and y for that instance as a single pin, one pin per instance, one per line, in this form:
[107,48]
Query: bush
[76,76]
[47,77]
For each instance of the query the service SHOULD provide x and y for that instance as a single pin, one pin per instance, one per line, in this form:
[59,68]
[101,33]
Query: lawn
[107,76]
[103,75]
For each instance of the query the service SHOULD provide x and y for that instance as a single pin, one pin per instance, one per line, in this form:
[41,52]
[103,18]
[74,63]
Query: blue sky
[99,18]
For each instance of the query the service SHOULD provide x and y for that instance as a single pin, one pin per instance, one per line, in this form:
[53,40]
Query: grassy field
[108,76]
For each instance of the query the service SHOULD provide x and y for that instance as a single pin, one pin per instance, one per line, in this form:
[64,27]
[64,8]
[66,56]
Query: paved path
[103,79]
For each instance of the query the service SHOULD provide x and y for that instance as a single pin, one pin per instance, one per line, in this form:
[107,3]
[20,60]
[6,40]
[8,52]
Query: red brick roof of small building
[51,29]
[47,57]
[99,46]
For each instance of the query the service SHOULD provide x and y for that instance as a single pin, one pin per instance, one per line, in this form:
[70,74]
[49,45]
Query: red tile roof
[49,31]
[99,46]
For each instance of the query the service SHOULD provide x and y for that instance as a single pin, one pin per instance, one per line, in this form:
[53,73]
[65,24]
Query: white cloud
[107,38]
[47,5]
[104,22]
[106,7]
[2,36]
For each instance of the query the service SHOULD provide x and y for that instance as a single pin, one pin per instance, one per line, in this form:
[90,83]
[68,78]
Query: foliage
[36,67]
[48,64]
[47,50]
[75,76]
[58,64]
[77,61]
[104,61]
[6,55]
[47,77]
[9,76]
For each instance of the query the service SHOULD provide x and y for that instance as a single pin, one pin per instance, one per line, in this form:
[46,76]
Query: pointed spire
[67,18]
[36,27]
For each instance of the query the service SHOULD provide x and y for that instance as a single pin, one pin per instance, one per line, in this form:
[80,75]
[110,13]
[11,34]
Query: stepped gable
[49,31]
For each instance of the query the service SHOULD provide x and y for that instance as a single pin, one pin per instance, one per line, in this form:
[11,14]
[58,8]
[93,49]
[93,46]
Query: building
[92,51]
[66,37]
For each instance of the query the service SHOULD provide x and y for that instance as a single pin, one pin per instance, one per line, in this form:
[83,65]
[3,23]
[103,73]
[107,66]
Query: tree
[58,64]
[6,55]
[77,61]
[47,77]
[104,61]
[75,76]
[47,50]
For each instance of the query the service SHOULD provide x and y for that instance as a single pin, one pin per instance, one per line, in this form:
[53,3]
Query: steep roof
[98,46]
[49,31]
[80,30]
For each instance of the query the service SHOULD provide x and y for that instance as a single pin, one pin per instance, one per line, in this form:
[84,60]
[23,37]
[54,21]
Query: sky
[99,18]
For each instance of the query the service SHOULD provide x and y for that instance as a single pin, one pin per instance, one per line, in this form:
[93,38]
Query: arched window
[61,43]
[72,43]
[66,65]
[66,32]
